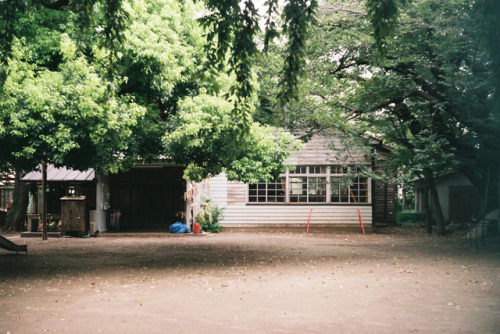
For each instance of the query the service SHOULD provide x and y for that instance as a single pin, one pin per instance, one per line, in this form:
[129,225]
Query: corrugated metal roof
[60,174]
[7,179]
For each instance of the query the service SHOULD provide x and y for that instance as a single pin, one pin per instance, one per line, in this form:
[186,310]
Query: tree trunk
[44,201]
[427,211]
[498,200]
[431,185]
[404,204]
[17,213]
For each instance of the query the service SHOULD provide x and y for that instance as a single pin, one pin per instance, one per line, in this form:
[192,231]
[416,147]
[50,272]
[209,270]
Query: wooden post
[44,201]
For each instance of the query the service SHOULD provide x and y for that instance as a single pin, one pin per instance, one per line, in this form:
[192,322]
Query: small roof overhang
[60,174]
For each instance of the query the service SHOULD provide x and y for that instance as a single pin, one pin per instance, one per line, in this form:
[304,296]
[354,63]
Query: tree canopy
[107,83]
[203,140]
[428,91]
[60,105]
[64,116]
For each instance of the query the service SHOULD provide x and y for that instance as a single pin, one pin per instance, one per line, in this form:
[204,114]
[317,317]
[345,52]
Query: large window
[267,192]
[307,184]
[347,186]
[313,184]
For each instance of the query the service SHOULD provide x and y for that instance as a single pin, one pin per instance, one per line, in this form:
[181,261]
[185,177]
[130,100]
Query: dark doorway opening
[463,203]
[149,198]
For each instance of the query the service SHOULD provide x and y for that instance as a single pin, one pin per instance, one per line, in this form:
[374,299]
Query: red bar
[361,222]
[308,221]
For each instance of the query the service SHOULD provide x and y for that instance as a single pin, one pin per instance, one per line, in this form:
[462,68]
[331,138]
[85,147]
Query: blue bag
[178,227]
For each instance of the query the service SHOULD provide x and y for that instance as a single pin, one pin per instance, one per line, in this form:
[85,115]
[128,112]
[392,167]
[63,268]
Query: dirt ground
[395,281]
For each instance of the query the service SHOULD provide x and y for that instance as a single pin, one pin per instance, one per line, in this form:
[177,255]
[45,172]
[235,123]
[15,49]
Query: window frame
[326,172]
[267,191]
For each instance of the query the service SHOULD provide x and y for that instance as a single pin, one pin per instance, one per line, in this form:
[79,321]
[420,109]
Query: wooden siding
[318,151]
[236,194]
[293,215]
[218,190]
[322,150]
[238,213]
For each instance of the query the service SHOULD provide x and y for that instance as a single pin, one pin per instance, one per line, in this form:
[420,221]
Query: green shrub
[410,217]
[209,217]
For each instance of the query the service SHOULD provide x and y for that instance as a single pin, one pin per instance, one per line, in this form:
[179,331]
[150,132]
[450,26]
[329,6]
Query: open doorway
[149,197]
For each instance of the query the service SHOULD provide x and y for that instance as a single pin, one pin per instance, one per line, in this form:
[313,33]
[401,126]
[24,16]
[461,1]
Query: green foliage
[202,138]
[231,32]
[232,28]
[161,52]
[487,23]
[383,15]
[60,105]
[407,217]
[209,217]
[297,16]
[431,98]
[64,117]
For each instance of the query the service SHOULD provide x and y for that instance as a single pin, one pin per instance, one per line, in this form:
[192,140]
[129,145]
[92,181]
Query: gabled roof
[60,174]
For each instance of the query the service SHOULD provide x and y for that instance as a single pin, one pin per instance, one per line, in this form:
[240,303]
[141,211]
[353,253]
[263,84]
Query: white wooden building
[327,187]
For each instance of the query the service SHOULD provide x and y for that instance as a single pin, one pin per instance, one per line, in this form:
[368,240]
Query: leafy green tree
[65,117]
[61,105]
[203,140]
[232,29]
[429,97]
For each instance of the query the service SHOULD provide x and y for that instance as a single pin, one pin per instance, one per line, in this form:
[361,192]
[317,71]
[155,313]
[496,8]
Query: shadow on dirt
[72,257]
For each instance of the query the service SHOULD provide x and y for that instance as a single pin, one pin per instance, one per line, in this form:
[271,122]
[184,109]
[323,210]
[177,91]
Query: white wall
[238,213]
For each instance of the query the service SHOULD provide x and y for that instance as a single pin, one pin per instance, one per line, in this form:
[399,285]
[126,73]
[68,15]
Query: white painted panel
[296,215]
[236,193]
[218,190]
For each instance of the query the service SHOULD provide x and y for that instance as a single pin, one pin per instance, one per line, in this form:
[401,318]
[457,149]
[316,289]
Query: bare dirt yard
[395,281]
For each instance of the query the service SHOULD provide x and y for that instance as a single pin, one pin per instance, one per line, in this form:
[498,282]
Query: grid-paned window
[298,189]
[339,170]
[316,189]
[349,190]
[299,170]
[267,192]
[307,189]
[314,184]
[317,169]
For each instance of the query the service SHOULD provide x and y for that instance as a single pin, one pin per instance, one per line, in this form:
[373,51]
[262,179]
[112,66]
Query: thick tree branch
[416,93]
[343,65]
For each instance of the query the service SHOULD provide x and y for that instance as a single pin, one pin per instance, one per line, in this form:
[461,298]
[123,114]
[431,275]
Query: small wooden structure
[458,197]
[74,218]
[61,183]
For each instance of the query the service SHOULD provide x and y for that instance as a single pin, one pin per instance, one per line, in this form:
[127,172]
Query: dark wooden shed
[61,183]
